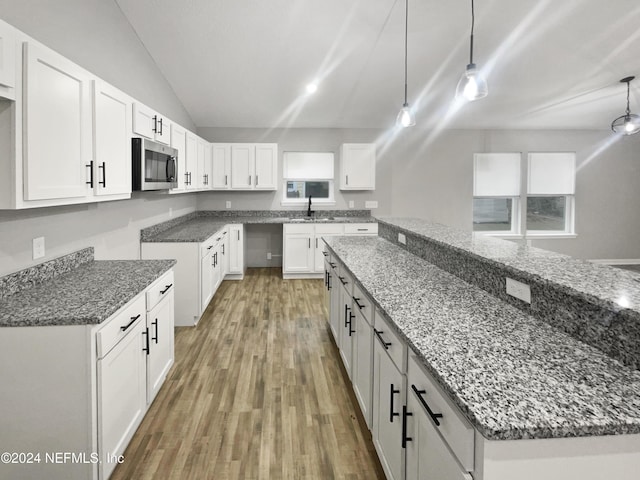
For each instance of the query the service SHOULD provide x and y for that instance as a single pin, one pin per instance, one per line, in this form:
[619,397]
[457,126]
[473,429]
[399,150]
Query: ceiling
[245,63]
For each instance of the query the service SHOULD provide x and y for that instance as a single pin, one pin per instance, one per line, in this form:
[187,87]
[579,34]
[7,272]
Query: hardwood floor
[257,391]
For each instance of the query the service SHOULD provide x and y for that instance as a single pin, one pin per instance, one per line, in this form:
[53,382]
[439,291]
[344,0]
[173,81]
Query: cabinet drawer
[207,245]
[454,428]
[159,289]
[362,302]
[361,228]
[329,228]
[392,343]
[298,228]
[345,278]
[120,324]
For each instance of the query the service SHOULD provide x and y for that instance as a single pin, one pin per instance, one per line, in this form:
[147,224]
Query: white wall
[94,34]
[299,139]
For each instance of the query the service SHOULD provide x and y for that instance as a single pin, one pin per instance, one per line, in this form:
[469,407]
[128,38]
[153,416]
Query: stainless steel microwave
[154,165]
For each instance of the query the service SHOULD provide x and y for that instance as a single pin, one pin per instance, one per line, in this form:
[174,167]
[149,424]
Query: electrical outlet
[38,248]
[228,204]
[351,204]
[519,290]
[269,256]
[371,204]
[402,239]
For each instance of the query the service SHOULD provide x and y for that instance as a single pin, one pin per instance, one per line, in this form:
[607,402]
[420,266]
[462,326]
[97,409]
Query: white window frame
[303,171]
[514,231]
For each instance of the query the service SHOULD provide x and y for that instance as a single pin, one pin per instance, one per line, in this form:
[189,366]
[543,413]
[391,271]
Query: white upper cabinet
[191,162]
[58,130]
[7,61]
[112,140]
[266,169]
[206,167]
[358,166]
[221,171]
[179,142]
[150,124]
[242,165]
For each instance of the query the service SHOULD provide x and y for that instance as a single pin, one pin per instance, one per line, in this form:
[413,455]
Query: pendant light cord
[628,86]
[406,28]
[473,22]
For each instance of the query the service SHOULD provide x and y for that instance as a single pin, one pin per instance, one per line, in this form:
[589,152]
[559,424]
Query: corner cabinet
[358,166]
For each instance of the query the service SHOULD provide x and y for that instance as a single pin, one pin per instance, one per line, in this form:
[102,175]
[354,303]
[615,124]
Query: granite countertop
[513,376]
[86,295]
[611,288]
[200,228]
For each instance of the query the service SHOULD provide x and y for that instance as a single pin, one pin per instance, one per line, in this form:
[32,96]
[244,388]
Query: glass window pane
[295,189]
[492,214]
[317,189]
[546,213]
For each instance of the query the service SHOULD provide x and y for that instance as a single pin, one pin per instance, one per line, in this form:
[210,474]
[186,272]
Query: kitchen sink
[311,219]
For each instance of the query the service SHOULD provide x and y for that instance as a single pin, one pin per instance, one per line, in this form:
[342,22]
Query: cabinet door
[58,131]
[7,58]
[163,129]
[298,254]
[179,142]
[161,344]
[191,163]
[144,121]
[388,398]
[362,368]
[112,140]
[347,330]
[224,254]
[427,456]
[266,170]
[208,167]
[334,313]
[202,180]
[221,166]
[358,166]
[122,385]
[236,249]
[206,281]
[242,165]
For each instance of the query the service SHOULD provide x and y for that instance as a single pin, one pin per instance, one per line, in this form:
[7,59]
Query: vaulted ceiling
[245,63]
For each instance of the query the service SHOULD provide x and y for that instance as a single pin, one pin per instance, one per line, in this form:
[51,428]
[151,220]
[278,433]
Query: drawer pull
[166,289]
[333,265]
[133,320]
[326,254]
[328,280]
[351,317]
[209,247]
[405,414]
[146,340]
[358,303]
[392,414]
[378,333]
[342,280]
[434,416]
[346,314]
[363,229]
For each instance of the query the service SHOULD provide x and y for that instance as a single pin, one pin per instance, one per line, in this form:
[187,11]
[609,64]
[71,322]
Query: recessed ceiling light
[312,88]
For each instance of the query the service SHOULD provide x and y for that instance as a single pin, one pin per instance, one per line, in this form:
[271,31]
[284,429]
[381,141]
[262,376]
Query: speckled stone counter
[85,295]
[512,375]
[596,304]
[199,226]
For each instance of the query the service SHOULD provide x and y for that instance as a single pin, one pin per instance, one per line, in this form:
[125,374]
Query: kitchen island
[542,402]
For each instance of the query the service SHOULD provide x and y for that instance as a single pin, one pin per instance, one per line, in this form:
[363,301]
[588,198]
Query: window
[307,174]
[548,206]
[496,191]
[550,194]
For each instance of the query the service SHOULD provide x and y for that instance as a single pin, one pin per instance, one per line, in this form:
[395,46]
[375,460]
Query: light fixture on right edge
[472,85]
[405,117]
[629,123]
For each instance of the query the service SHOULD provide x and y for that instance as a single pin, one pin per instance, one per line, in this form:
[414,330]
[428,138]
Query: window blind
[307,165]
[496,174]
[552,173]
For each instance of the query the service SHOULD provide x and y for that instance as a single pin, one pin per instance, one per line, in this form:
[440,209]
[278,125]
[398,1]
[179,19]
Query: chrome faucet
[309,211]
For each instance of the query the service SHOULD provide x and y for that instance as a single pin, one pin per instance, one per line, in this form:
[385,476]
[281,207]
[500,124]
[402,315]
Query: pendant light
[629,123]
[472,85]
[405,117]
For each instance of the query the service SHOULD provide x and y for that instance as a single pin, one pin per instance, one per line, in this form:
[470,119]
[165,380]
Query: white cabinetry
[221,166]
[7,61]
[236,251]
[192,171]
[358,166]
[179,142]
[150,124]
[362,356]
[254,166]
[57,114]
[204,164]
[122,380]
[345,330]
[112,140]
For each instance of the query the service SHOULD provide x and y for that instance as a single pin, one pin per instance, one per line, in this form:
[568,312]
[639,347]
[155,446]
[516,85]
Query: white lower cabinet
[362,365]
[236,251]
[346,330]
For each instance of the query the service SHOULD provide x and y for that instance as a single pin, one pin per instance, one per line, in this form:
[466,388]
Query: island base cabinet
[362,371]
[160,354]
[388,399]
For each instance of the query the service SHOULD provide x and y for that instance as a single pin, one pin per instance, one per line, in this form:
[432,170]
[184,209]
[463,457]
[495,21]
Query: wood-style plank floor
[257,391]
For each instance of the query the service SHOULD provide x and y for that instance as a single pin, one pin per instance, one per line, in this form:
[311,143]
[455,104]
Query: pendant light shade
[405,117]
[629,123]
[472,85]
